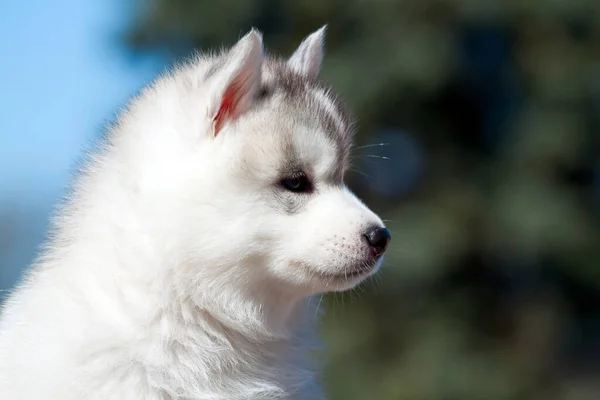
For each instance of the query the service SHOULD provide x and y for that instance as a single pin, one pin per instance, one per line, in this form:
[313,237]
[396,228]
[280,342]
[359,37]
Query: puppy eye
[297,183]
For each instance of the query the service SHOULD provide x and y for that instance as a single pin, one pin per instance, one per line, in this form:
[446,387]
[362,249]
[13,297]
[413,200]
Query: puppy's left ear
[236,82]
[307,59]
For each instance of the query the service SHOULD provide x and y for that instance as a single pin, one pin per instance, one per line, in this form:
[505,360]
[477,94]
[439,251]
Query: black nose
[378,239]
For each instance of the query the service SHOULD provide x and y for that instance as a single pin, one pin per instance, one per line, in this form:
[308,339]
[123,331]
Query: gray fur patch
[298,92]
[292,95]
[291,203]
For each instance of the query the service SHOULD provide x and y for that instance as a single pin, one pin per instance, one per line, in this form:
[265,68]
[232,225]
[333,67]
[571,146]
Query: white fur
[323,98]
[170,273]
[307,59]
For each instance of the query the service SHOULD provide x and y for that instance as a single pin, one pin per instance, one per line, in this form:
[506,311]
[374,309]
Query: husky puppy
[183,262]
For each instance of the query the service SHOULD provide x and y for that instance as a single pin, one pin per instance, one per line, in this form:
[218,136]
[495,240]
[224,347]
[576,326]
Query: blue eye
[297,183]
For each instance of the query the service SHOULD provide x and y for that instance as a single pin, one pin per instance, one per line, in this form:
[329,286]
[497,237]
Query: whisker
[374,156]
[335,302]
[319,304]
[371,145]
[378,281]
[369,177]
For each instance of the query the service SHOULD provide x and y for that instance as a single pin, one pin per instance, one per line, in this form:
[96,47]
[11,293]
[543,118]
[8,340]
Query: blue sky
[62,74]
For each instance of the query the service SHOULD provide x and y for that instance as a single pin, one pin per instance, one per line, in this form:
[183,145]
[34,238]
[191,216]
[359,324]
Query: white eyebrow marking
[325,101]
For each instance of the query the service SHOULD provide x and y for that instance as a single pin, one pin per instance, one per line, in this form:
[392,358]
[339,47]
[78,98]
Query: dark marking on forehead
[300,93]
[300,98]
[264,93]
[331,121]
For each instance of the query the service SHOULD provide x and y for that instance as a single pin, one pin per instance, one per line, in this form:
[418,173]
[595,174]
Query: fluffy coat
[179,267]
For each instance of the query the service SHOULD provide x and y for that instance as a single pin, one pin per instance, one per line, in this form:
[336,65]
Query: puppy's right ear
[233,87]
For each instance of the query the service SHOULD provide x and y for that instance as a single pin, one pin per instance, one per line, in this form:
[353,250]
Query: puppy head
[261,181]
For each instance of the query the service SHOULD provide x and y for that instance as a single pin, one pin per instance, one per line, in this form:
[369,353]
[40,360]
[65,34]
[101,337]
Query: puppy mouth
[351,273]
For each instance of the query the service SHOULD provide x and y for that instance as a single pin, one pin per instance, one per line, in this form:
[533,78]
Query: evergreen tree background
[478,142]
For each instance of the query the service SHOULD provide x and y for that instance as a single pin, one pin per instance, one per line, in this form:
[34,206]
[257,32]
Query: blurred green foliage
[491,288]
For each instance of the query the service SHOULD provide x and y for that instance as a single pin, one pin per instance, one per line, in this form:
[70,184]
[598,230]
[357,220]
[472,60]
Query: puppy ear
[235,84]
[307,59]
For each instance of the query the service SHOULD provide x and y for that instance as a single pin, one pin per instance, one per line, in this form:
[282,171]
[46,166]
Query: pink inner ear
[227,107]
